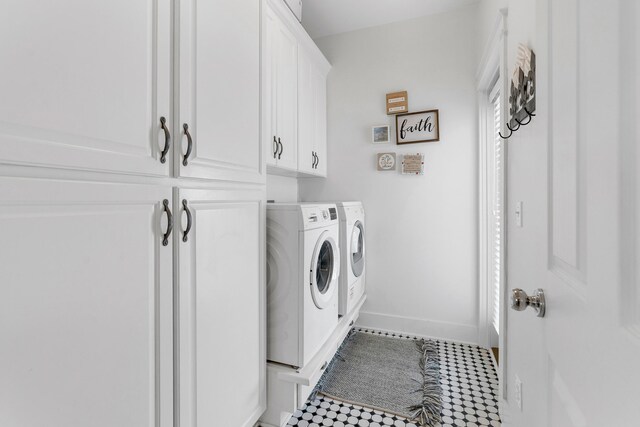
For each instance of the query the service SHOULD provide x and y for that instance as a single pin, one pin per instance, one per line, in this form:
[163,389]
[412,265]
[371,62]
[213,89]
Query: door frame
[493,64]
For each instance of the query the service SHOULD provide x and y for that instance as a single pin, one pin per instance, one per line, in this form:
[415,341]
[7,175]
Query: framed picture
[413,164]
[423,126]
[380,134]
[386,161]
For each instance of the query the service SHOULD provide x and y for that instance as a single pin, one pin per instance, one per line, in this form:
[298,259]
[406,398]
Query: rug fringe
[428,413]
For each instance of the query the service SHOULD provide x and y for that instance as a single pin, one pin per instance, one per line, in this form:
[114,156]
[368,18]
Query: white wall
[282,189]
[422,268]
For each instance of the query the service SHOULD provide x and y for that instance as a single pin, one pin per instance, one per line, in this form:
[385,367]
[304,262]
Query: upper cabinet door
[320,116]
[218,97]
[84,85]
[269,87]
[312,117]
[286,56]
[306,110]
[86,314]
[221,313]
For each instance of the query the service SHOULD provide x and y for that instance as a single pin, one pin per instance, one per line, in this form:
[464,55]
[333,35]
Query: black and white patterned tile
[469,394]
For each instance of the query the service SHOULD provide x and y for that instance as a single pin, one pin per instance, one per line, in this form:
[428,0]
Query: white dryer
[352,246]
[303,265]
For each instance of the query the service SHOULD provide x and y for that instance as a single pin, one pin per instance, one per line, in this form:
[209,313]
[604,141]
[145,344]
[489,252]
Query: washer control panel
[316,215]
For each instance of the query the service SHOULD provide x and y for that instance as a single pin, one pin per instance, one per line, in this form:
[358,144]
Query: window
[496,214]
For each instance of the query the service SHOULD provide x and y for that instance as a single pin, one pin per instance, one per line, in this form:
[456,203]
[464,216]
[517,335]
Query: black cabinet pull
[185,161]
[313,159]
[185,236]
[275,150]
[165,238]
[281,148]
[167,140]
[317,161]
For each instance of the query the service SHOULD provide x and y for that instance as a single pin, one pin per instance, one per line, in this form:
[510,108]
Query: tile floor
[469,394]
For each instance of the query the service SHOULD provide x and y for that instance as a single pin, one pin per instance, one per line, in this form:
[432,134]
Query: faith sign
[422,126]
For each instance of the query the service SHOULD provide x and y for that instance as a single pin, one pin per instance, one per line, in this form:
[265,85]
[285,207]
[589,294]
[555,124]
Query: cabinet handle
[165,238]
[315,158]
[281,148]
[167,140]
[185,161]
[317,161]
[275,150]
[185,236]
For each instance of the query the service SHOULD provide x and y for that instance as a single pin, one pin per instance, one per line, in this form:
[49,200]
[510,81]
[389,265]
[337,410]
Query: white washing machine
[352,246]
[303,265]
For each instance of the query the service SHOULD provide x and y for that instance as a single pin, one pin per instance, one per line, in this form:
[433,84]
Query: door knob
[520,301]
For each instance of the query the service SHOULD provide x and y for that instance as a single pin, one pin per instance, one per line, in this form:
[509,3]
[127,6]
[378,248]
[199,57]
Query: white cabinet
[218,96]
[312,116]
[221,317]
[89,299]
[86,310]
[84,85]
[294,88]
[90,88]
[281,117]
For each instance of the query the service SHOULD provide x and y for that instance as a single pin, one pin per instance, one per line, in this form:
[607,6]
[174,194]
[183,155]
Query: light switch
[518,393]
[519,214]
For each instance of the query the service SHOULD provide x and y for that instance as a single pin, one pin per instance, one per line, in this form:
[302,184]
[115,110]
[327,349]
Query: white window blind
[496,188]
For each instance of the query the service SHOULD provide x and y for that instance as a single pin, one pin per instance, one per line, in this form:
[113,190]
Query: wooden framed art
[422,126]
[397,102]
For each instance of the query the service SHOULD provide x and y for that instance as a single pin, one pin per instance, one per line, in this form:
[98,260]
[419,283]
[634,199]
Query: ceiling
[326,17]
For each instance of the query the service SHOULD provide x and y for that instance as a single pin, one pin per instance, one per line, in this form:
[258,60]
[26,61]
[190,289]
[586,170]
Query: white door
[85,84]
[86,308]
[218,105]
[286,99]
[576,170]
[221,318]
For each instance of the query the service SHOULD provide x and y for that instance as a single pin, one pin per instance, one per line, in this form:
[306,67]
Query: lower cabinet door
[221,310]
[86,305]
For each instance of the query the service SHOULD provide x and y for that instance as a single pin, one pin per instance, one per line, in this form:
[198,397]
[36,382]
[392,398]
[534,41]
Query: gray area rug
[395,375]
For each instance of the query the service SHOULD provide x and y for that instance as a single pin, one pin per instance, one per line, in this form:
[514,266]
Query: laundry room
[420,230]
[319,213]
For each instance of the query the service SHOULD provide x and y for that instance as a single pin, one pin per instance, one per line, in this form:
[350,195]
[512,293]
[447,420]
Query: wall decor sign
[397,102]
[380,134]
[422,126]
[522,94]
[413,164]
[386,161]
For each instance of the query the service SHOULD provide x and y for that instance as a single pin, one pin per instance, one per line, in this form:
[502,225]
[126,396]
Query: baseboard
[467,334]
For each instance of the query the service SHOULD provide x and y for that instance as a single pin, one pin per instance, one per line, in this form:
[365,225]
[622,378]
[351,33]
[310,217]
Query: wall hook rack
[519,124]
[522,96]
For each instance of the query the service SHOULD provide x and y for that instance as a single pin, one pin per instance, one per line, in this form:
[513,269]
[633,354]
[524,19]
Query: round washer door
[324,270]
[357,249]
